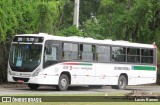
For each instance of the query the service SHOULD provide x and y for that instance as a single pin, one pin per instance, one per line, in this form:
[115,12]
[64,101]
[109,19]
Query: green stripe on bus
[85,64]
[148,68]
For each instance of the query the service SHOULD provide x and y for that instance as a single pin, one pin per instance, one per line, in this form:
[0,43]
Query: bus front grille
[20,79]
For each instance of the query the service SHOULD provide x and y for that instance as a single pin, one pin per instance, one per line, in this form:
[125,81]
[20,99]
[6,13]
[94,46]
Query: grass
[85,103]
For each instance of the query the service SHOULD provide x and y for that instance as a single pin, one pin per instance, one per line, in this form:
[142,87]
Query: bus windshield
[25,57]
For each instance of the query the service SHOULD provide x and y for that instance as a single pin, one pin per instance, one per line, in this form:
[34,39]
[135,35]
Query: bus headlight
[36,73]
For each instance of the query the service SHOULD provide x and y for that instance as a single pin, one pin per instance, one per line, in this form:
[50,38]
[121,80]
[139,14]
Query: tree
[71,31]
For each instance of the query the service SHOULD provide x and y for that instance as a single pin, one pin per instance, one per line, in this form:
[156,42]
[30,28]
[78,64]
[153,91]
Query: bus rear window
[147,56]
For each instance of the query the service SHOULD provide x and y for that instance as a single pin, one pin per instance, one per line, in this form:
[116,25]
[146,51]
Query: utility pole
[76,13]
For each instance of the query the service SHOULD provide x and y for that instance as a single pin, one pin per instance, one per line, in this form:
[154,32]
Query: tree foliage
[133,20]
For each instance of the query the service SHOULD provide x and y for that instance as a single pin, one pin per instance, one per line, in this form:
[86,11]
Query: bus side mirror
[48,50]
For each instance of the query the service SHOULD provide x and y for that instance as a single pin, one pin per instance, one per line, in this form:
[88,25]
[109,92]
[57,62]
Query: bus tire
[63,83]
[122,83]
[33,86]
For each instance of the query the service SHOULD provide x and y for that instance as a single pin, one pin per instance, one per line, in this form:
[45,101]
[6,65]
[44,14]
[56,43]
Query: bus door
[51,55]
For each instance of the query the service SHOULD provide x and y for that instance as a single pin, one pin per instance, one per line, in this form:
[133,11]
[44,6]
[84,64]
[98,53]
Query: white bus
[42,59]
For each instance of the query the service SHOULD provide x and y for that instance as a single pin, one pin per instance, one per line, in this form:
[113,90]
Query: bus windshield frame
[25,57]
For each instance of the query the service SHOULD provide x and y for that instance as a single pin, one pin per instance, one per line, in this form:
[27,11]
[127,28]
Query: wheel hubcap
[121,83]
[63,83]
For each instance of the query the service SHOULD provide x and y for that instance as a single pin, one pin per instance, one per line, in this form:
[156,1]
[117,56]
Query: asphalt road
[18,89]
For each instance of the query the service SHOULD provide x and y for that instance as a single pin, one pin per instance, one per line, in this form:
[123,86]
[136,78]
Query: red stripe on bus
[71,63]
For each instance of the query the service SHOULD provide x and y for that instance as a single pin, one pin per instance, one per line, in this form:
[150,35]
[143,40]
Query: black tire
[63,83]
[122,83]
[33,86]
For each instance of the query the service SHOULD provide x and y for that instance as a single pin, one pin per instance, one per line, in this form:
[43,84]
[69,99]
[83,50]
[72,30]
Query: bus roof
[90,40]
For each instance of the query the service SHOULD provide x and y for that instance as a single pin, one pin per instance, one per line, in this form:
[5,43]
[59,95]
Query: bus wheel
[33,86]
[63,83]
[122,83]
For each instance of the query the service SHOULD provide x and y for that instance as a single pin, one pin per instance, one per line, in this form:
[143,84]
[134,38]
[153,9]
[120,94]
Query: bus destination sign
[28,39]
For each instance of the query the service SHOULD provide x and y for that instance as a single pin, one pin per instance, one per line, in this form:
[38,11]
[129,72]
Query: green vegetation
[130,20]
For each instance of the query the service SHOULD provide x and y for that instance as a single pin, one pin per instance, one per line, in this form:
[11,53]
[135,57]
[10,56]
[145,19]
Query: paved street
[18,89]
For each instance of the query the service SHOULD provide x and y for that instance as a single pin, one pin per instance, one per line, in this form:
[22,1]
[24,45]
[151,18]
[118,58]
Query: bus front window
[25,57]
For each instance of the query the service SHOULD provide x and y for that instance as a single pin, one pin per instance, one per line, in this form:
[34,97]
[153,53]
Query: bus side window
[70,51]
[118,54]
[133,55]
[103,53]
[147,56]
[87,52]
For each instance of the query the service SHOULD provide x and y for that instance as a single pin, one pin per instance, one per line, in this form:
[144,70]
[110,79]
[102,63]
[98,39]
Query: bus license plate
[20,81]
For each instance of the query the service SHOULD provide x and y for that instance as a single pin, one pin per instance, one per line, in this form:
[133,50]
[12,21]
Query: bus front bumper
[40,79]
